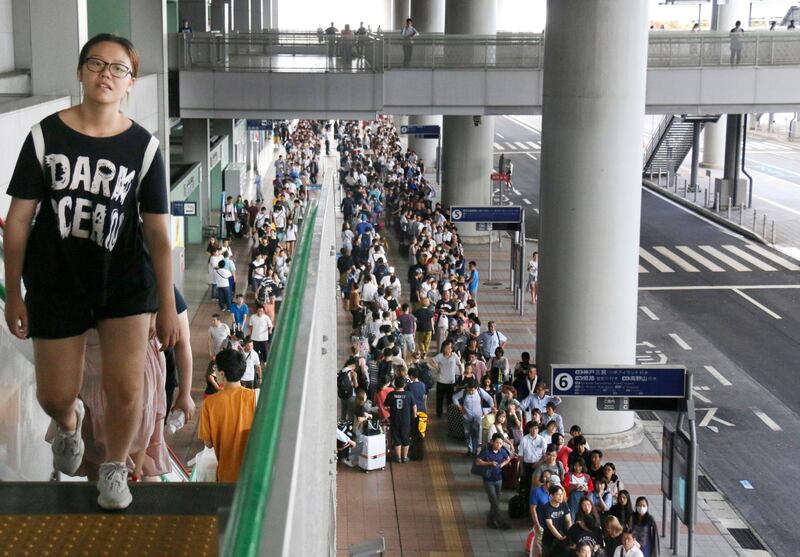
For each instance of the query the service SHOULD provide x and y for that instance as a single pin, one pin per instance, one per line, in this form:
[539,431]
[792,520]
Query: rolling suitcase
[455,423]
[373,453]
[511,474]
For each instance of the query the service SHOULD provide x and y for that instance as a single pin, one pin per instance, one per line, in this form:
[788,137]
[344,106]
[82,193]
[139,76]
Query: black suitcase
[417,449]
[517,507]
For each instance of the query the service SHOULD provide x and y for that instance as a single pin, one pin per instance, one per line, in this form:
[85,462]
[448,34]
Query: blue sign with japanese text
[503,213]
[184,208]
[429,132]
[620,381]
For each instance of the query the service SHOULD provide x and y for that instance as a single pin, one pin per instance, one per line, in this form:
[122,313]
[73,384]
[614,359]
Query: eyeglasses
[98,66]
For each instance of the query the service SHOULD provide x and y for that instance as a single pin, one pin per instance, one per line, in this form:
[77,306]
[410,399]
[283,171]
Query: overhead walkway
[277,74]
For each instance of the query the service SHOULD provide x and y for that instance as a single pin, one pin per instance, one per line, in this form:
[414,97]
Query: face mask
[641,510]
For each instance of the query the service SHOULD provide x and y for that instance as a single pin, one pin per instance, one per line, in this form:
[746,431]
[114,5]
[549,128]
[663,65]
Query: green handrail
[245,524]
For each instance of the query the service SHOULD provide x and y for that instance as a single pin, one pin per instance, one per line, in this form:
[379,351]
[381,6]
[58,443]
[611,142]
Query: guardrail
[277,51]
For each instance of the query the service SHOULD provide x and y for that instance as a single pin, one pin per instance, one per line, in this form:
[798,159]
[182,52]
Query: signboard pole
[491,241]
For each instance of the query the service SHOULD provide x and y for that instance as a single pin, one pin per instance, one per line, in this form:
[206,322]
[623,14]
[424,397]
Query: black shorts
[401,434]
[64,315]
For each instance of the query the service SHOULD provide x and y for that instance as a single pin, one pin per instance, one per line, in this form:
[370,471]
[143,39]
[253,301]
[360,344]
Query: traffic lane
[727,401]
[766,348]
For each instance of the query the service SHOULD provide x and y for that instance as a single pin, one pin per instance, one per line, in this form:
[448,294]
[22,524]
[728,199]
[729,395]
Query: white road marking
[776,204]
[711,415]
[533,144]
[498,147]
[523,124]
[680,342]
[675,258]
[526,201]
[766,419]
[718,376]
[648,312]
[724,258]
[511,146]
[654,261]
[704,261]
[722,287]
[749,258]
[758,304]
[700,397]
[520,144]
[792,252]
[772,257]
[777,146]
[643,270]
[531,156]
[498,134]
[515,190]
[535,210]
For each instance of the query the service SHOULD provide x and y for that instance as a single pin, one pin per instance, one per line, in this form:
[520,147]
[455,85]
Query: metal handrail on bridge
[277,51]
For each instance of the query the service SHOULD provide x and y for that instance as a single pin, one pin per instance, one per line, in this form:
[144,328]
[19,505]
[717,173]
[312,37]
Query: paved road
[730,311]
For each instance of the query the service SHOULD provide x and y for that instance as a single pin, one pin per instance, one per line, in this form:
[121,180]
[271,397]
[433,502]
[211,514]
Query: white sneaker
[113,486]
[68,445]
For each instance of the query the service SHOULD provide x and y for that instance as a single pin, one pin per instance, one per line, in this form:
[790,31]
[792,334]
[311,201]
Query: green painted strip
[245,524]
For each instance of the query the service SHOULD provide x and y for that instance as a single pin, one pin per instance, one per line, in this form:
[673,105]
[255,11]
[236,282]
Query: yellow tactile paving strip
[107,535]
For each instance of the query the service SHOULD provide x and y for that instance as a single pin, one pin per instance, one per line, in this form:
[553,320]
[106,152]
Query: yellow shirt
[225,423]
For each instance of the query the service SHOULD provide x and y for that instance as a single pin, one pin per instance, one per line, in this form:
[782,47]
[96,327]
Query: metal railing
[656,138]
[277,51]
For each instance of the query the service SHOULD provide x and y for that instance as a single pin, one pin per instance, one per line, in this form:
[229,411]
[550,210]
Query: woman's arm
[156,234]
[183,359]
[15,241]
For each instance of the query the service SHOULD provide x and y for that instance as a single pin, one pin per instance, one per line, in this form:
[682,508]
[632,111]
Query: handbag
[477,469]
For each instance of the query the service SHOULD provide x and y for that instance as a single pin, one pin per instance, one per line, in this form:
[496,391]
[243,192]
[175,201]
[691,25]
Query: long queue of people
[425,334]
[240,333]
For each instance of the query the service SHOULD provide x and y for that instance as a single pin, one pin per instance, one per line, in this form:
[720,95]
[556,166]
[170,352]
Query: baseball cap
[555,480]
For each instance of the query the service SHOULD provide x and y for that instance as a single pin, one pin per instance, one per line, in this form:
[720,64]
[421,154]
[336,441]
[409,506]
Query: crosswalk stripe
[533,144]
[773,257]
[643,270]
[520,144]
[704,261]
[677,259]
[654,261]
[498,147]
[777,146]
[724,258]
[749,258]
[512,146]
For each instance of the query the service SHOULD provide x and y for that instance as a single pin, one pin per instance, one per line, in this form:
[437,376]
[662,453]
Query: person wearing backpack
[345,390]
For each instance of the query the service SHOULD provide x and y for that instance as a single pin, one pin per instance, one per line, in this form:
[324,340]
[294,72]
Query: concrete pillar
[60,30]
[714,134]
[149,34]
[222,127]
[256,15]
[195,149]
[401,11]
[196,11]
[428,16]
[273,11]
[467,150]
[220,16]
[241,16]
[591,195]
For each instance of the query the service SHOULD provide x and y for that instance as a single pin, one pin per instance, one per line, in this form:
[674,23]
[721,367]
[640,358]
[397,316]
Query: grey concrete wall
[6,36]
[21,25]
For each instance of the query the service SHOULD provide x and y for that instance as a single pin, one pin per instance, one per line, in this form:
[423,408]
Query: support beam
[195,149]
[402,10]
[594,88]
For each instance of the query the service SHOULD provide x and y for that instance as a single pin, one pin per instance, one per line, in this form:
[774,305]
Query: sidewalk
[436,507]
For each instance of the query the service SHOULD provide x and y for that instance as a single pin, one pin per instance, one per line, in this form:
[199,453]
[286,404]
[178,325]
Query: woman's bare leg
[123,342]
[59,375]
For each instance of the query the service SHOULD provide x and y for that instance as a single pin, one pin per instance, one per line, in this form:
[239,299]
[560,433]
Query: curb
[710,215]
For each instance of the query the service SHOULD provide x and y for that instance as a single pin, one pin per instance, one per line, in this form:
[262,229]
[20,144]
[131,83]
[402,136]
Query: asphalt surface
[736,328]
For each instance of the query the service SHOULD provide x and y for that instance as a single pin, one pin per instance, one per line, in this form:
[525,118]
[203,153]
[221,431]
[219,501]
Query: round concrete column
[401,10]
[467,149]
[428,16]
[594,89]
[714,134]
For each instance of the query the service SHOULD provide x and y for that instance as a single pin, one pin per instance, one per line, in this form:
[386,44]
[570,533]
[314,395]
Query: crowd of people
[423,333]
[239,335]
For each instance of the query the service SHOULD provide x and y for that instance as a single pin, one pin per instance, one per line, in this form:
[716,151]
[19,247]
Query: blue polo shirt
[539,496]
[494,474]
[239,313]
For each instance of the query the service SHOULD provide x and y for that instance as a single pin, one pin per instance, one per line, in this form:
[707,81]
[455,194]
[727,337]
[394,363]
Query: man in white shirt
[222,280]
[252,372]
[217,333]
[490,340]
[260,330]
[408,32]
[532,448]
[230,217]
[538,399]
[449,366]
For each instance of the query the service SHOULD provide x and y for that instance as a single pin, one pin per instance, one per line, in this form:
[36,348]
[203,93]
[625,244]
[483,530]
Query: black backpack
[344,384]
[424,374]
[517,508]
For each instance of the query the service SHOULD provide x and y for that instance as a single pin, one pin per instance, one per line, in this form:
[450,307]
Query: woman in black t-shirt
[97,255]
